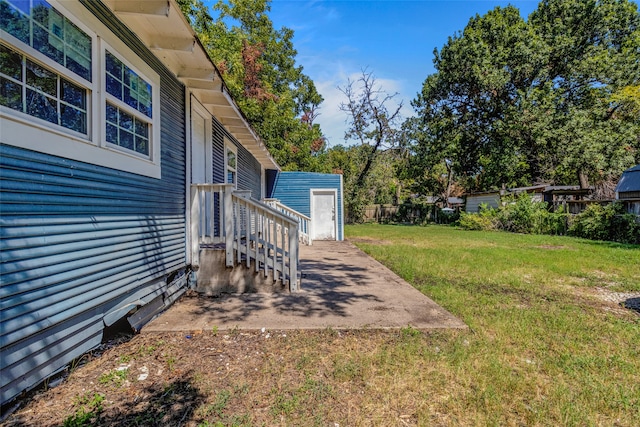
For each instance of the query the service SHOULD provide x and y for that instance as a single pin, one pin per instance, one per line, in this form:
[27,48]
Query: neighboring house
[628,189]
[571,198]
[318,196]
[120,150]
[474,200]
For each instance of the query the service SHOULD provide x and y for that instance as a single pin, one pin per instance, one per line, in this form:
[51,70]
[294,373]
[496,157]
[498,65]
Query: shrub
[484,220]
[609,222]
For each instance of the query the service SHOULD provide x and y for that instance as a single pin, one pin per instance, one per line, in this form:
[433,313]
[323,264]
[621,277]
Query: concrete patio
[342,288]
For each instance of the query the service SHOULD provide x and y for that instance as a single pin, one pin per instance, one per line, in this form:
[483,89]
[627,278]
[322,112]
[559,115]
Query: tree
[258,63]
[516,102]
[372,124]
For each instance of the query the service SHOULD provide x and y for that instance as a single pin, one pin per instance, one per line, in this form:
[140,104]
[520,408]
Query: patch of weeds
[317,390]
[346,370]
[410,332]
[241,390]
[216,411]
[305,363]
[115,378]
[234,421]
[171,362]
[89,410]
[217,407]
[330,332]
[286,402]
[214,331]
[125,358]
[148,350]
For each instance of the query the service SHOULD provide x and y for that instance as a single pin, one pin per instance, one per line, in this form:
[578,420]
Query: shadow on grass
[609,245]
[632,304]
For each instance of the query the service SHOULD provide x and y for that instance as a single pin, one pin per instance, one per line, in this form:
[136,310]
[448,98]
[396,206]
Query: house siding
[249,169]
[82,244]
[293,189]
[474,201]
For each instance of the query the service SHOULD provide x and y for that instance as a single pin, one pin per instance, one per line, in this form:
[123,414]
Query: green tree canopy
[550,99]
[258,63]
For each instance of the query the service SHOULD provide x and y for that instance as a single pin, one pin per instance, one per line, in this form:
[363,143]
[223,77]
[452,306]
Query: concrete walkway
[342,288]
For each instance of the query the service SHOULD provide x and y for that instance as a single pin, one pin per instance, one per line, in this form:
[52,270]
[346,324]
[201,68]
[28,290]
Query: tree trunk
[584,180]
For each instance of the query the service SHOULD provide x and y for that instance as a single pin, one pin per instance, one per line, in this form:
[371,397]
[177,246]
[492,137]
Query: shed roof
[630,180]
[162,27]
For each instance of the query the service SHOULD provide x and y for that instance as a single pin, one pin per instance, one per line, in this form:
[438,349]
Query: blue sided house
[125,167]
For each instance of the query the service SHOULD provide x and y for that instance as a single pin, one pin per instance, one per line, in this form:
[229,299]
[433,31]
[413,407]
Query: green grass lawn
[543,347]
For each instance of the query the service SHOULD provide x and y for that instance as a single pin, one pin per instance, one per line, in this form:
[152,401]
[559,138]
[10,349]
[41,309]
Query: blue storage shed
[316,195]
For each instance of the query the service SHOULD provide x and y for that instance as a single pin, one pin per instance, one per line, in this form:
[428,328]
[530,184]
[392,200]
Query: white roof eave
[162,27]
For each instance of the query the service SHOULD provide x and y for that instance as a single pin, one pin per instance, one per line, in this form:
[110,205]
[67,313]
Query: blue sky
[393,39]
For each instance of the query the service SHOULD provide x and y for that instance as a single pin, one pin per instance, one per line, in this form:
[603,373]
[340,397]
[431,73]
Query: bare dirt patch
[370,241]
[552,247]
[211,378]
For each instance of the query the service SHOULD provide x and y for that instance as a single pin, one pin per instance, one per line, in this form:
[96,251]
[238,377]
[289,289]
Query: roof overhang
[162,27]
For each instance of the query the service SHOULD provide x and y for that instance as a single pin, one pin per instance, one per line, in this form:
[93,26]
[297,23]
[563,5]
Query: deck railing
[249,231]
[304,222]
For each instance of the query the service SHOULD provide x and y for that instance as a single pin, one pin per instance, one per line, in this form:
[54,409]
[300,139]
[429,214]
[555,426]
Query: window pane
[42,79]
[142,145]
[231,159]
[40,12]
[52,33]
[127,86]
[114,87]
[125,130]
[42,106]
[77,40]
[73,95]
[126,139]
[49,96]
[10,94]
[73,119]
[113,66]
[79,64]
[10,63]
[126,121]
[142,129]
[41,42]
[14,22]
[112,134]
[112,114]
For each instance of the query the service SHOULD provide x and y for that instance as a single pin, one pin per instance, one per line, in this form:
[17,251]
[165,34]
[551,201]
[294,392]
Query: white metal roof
[163,28]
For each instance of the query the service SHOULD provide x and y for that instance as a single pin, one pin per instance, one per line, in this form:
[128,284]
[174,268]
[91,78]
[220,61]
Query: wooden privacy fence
[405,213]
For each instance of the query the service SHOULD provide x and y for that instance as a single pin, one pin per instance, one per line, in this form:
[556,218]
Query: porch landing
[342,288]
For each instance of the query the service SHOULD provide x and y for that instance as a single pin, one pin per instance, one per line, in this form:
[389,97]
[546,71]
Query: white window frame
[26,131]
[229,146]
[150,77]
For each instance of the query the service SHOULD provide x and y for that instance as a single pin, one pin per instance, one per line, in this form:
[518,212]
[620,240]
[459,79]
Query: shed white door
[323,214]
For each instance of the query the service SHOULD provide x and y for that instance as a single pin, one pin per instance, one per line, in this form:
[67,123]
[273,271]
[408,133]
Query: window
[128,106]
[231,161]
[70,87]
[42,27]
[30,88]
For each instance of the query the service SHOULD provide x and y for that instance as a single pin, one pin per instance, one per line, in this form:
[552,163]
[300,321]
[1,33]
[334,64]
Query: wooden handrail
[249,229]
[304,221]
